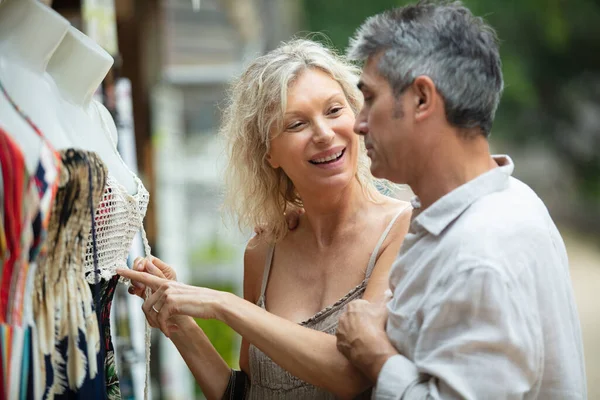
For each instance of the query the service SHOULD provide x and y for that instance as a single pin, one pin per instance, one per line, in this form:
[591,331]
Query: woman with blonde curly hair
[290,141]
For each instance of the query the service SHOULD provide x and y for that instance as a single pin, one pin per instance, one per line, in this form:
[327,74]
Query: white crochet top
[119,217]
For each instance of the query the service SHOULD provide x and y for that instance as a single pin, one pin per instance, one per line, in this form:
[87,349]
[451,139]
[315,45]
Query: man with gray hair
[482,304]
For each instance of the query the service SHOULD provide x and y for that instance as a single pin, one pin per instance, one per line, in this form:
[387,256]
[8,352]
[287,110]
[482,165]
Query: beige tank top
[268,380]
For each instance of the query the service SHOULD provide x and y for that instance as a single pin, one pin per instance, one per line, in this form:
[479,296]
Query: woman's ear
[271,162]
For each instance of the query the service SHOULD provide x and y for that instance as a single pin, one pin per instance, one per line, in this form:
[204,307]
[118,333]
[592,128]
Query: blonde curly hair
[255,193]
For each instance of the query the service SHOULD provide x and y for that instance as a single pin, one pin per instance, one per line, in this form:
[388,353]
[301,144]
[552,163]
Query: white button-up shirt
[483,306]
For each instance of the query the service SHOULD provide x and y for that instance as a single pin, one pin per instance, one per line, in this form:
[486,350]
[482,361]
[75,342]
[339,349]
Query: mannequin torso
[77,67]
[29,35]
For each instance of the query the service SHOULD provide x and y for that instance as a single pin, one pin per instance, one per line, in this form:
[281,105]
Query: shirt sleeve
[478,339]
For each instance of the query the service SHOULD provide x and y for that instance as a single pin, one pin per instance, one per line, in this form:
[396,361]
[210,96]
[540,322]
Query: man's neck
[449,165]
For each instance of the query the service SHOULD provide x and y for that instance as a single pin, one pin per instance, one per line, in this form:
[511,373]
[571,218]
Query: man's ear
[425,97]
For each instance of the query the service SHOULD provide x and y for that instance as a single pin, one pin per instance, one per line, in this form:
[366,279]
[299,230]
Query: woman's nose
[323,133]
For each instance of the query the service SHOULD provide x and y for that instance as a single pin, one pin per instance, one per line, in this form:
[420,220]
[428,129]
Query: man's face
[386,123]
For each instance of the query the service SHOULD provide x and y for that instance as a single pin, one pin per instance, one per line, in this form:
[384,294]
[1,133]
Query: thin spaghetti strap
[267,270]
[387,230]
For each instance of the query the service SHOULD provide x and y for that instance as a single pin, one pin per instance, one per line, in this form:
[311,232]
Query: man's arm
[479,338]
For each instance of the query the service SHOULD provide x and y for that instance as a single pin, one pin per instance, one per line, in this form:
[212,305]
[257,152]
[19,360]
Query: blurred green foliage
[212,252]
[551,63]
[224,339]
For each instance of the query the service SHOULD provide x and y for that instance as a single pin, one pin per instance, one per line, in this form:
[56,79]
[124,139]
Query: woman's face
[317,148]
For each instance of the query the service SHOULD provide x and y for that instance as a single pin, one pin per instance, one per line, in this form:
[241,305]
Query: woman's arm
[209,369]
[308,354]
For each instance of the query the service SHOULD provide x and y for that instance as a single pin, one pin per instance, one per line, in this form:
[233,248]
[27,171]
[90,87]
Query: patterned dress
[69,346]
[22,234]
[26,202]
[106,288]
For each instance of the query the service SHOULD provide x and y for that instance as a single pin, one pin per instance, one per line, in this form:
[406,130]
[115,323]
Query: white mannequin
[78,67]
[29,34]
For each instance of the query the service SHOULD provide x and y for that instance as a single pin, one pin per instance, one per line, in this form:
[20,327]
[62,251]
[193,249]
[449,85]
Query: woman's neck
[330,215]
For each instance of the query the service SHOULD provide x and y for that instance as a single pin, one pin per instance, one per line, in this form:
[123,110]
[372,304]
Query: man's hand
[362,339]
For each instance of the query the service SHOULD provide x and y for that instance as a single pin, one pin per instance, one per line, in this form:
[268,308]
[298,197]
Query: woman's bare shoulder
[255,258]
[403,211]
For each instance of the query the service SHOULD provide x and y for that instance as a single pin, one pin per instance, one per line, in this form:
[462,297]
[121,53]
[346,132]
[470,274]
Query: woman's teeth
[327,159]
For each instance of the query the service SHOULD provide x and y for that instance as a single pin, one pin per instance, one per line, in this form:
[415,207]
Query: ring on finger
[155,310]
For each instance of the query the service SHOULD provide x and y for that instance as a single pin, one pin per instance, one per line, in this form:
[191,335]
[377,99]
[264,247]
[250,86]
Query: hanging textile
[64,307]
[26,203]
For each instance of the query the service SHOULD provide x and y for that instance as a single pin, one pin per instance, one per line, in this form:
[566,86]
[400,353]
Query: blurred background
[175,58]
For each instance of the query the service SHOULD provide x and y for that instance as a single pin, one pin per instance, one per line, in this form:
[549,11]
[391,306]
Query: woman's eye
[295,125]
[336,110]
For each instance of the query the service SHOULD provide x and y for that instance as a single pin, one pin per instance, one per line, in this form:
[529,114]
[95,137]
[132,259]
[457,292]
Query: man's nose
[361,127]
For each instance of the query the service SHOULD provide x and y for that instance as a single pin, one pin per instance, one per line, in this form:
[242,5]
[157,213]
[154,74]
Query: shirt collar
[440,214]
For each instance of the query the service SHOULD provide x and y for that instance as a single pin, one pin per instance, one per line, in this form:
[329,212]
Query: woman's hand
[154,266]
[171,299]
[160,269]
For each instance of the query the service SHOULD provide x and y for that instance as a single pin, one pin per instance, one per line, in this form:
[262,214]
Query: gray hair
[445,42]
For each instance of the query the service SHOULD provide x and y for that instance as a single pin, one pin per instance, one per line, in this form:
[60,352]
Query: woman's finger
[151,309]
[166,269]
[151,281]
[137,288]
[138,285]
[142,264]
[157,307]
[154,270]
[160,264]
[163,315]
[150,314]
[153,299]
[138,264]
[141,293]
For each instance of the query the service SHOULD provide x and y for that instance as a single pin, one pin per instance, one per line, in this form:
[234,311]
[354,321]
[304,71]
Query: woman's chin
[335,183]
